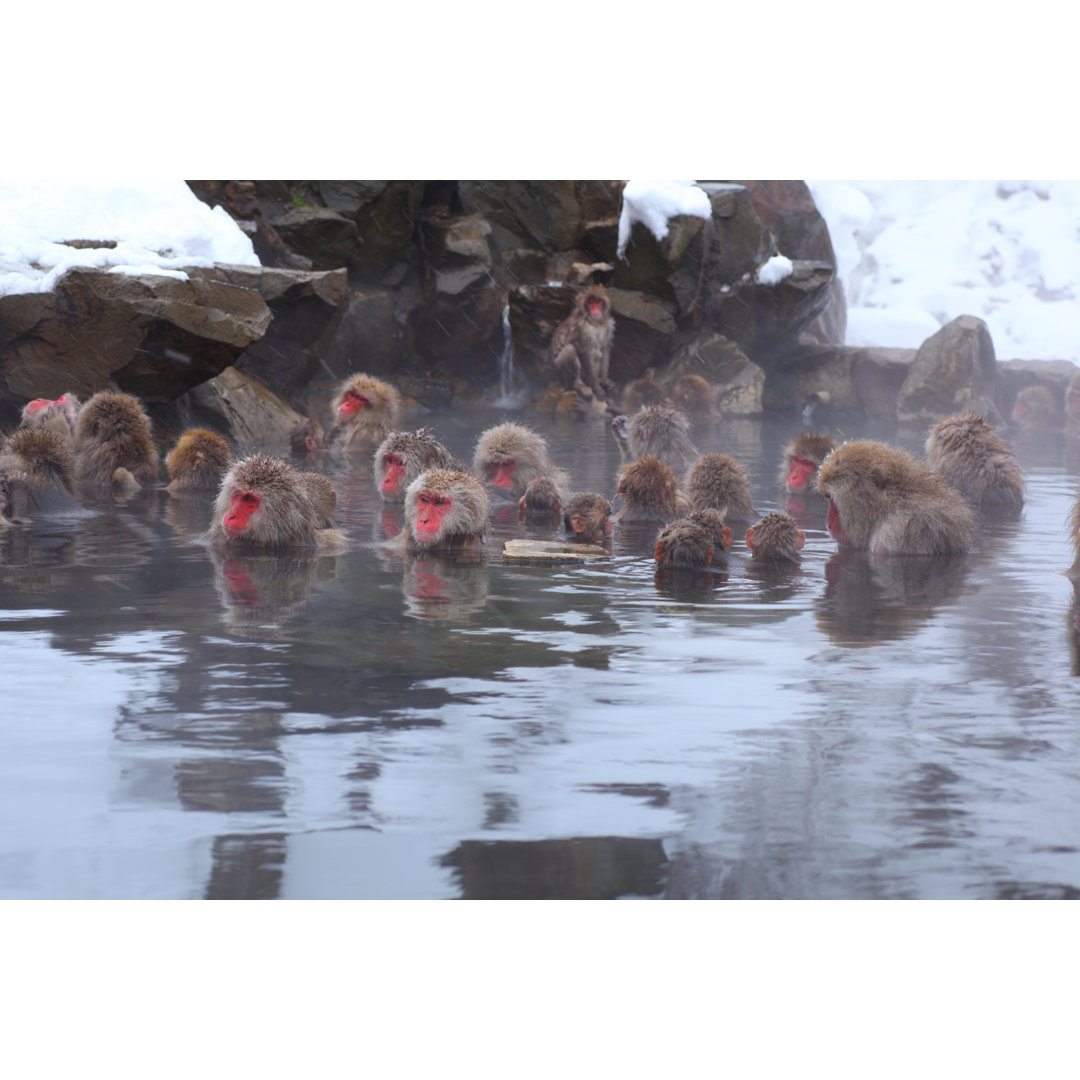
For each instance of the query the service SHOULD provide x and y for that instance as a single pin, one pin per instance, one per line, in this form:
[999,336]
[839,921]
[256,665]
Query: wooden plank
[549,552]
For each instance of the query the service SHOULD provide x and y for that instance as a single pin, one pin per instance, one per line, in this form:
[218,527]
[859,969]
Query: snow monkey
[403,455]
[446,510]
[967,455]
[694,395]
[803,456]
[323,495]
[1036,412]
[265,504]
[113,442]
[642,391]
[37,469]
[511,456]
[719,481]
[365,411]
[581,344]
[541,497]
[587,517]
[198,461]
[776,539]
[650,492]
[692,542]
[658,430]
[883,501]
[58,415]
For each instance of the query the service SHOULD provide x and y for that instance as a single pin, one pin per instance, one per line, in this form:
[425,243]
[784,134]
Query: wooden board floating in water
[550,551]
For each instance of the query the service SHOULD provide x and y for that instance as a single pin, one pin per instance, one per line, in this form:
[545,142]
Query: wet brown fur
[113,442]
[581,346]
[890,504]
[815,448]
[368,426]
[712,521]
[198,461]
[587,516]
[59,416]
[515,442]
[467,523]
[719,481]
[541,497]
[37,468]
[323,495]
[663,431]
[643,391]
[420,449]
[694,396]
[307,441]
[650,492]
[1036,412]
[684,545]
[775,538]
[966,453]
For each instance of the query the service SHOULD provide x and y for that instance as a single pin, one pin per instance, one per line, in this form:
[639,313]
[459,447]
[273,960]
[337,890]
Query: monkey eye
[247,496]
[805,462]
[393,459]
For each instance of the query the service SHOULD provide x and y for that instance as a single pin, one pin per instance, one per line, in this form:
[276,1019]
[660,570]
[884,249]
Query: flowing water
[179,725]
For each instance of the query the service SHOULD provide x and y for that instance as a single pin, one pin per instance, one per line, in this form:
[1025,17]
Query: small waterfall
[510,397]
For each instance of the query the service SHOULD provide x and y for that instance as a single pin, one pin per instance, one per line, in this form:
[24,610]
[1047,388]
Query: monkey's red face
[836,529]
[595,307]
[502,473]
[352,404]
[242,504]
[802,469]
[393,471]
[431,511]
[1021,410]
[35,406]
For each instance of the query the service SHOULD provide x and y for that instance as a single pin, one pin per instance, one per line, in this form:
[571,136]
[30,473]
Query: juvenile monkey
[113,442]
[581,344]
[966,454]
[511,456]
[658,430]
[307,442]
[650,492]
[643,391]
[693,395]
[58,415]
[719,481]
[197,462]
[1036,412]
[775,539]
[37,469]
[588,517]
[883,501]
[446,510]
[541,497]
[265,504]
[403,455]
[683,545]
[802,457]
[365,411]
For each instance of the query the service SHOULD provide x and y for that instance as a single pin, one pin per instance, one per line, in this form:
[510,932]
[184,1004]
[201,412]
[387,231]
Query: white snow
[159,227]
[773,270]
[654,202]
[913,255]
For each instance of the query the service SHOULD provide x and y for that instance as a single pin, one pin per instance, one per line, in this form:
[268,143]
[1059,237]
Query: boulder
[155,337]
[322,235]
[367,338]
[953,371]
[249,413]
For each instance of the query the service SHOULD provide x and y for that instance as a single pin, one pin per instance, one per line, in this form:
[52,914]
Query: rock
[367,338]
[250,413]
[324,236]
[740,242]
[672,269]
[155,337]
[722,363]
[953,371]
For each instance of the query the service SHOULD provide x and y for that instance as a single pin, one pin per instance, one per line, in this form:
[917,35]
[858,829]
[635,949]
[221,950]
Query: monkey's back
[113,432]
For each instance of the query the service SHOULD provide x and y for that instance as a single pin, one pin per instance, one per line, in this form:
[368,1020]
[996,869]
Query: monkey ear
[577,522]
[659,549]
[309,442]
[521,503]
[196,460]
[802,540]
[708,556]
[558,506]
[749,538]
[877,474]
[726,533]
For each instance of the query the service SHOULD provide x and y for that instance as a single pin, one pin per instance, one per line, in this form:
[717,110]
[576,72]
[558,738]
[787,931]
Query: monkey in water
[720,482]
[37,469]
[511,456]
[58,415]
[113,442]
[802,457]
[650,492]
[694,395]
[775,539]
[307,442]
[403,455]
[1036,412]
[446,510]
[265,504]
[581,344]
[967,455]
[642,391]
[656,430]
[197,462]
[541,497]
[587,517]
[365,411]
[323,495]
[883,501]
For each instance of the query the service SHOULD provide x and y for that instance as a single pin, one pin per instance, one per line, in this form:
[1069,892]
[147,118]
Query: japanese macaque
[1036,412]
[58,415]
[113,442]
[365,411]
[802,457]
[581,344]
[693,395]
[307,442]
[587,517]
[684,545]
[511,457]
[657,430]
[720,482]
[775,539]
[967,455]
[446,510]
[323,495]
[403,455]
[643,391]
[37,470]
[197,462]
[712,521]
[265,504]
[883,501]
[541,497]
[650,492]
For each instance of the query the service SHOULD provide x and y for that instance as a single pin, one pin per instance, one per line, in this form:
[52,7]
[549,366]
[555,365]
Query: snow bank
[654,202]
